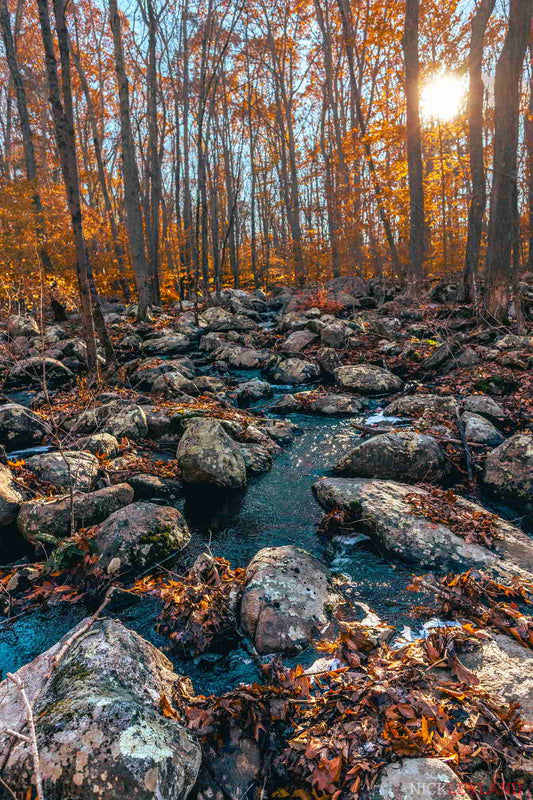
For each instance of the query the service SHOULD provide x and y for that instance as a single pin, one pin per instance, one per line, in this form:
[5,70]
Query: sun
[443,97]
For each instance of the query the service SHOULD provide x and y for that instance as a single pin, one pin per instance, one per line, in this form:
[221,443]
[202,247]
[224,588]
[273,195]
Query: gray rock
[334,335]
[18,325]
[480,430]
[293,371]
[280,430]
[20,427]
[53,517]
[328,405]
[99,726]
[174,384]
[484,405]
[99,444]
[140,534]
[367,379]
[423,778]
[399,456]
[209,384]
[257,458]
[119,418]
[71,468]
[509,470]
[170,344]
[382,512]
[328,359]
[36,370]
[298,341]
[207,455]
[253,390]
[148,487]
[10,497]
[241,357]
[418,404]
[287,599]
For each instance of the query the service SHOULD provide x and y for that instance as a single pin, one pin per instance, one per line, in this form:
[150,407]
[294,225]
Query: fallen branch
[82,629]
[16,679]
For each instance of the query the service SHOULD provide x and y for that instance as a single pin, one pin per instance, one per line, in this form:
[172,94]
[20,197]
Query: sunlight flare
[443,97]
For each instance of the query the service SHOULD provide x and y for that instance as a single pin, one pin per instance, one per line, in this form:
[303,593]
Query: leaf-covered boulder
[99,722]
[208,455]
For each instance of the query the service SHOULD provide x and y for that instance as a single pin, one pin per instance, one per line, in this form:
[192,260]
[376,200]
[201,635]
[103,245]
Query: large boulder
[381,510]
[298,341]
[328,405]
[241,357]
[253,390]
[208,455]
[36,371]
[55,517]
[293,371]
[509,471]
[99,444]
[423,778]
[99,723]
[287,599]
[367,379]
[69,469]
[20,427]
[174,384]
[10,497]
[140,534]
[119,418]
[399,456]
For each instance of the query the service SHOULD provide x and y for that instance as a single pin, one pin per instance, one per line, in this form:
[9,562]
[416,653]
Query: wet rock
[367,379]
[509,471]
[418,404]
[54,517]
[293,371]
[480,430]
[399,456]
[207,455]
[20,427]
[119,418]
[232,771]
[253,390]
[484,405]
[423,778]
[383,513]
[328,405]
[99,726]
[241,357]
[36,370]
[298,341]
[99,444]
[287,599]
[140,534]
[18,325]
[149,487]
[70,469]
[10,497]
[280,430]
[170,344]
[174,384]
[257,458]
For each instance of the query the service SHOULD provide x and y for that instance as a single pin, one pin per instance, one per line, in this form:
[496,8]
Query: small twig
[16,679]
[8,788]
[67,644]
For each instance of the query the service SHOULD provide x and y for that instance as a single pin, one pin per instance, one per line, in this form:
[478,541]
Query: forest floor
[281,549]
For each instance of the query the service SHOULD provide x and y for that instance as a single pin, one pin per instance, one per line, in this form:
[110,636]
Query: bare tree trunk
[529,157]
[478,200]
[506,118]
[153,164]
[414,144]
[66,145]
[130,173]
[27,138]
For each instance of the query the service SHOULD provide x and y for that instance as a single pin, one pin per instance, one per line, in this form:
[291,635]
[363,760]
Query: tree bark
[529,157]
[414,144]
[501,232]
[478,200]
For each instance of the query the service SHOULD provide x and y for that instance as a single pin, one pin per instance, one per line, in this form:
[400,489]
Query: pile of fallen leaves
[444,507]
[199,609]
[328,735]
[486,602]
[134,464]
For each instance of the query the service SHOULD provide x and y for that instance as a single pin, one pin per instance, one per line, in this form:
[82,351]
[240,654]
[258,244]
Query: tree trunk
[414,144]
[506,117]
[478,200]
[130,173]
[529,157]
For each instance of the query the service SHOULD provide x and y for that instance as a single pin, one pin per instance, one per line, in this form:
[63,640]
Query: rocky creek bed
[247,501]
